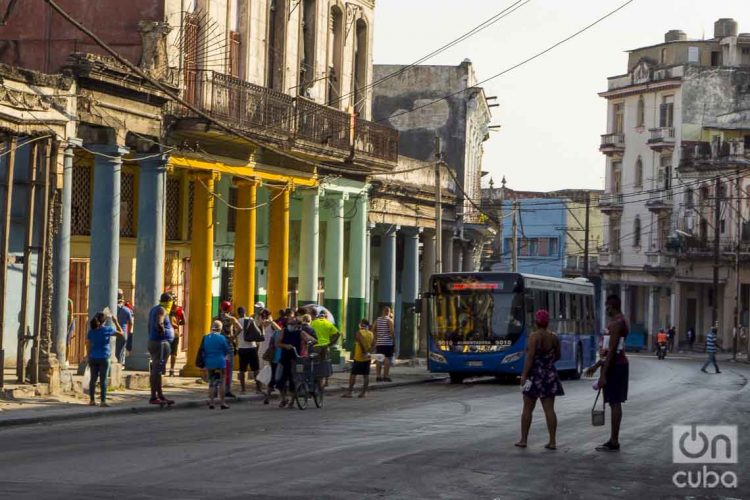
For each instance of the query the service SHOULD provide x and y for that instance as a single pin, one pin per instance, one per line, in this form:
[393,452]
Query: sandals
[608,446]
[282,404]
[520,444]
[550,446]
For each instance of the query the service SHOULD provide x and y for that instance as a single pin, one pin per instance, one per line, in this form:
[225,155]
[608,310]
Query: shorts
[175,346]
[249,357]
[215,377]
[385,350]
[616,390]
[360,368]
[159,351]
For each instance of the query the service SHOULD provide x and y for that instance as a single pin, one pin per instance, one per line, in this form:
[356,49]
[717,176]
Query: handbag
[200,357]
[597,416]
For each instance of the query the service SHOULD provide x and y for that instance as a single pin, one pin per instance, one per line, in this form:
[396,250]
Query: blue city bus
[479,322]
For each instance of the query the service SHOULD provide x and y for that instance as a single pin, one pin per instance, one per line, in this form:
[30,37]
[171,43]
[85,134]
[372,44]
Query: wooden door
[79,294]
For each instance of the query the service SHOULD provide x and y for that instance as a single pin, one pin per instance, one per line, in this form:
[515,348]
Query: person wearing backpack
[247,348]
[231,330]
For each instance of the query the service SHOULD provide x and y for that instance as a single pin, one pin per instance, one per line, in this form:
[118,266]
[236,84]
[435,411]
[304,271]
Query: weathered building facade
[675,154]
[426,102]
[242,189]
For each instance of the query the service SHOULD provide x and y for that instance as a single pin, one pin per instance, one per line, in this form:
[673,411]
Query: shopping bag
[86,379]
[264,376]
[597,416]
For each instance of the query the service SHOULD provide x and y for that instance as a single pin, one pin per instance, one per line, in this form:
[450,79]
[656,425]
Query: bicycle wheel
[301,395]
[318,394]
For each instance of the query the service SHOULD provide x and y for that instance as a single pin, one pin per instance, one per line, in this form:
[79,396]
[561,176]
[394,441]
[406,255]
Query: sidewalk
[185,391]
[721,357]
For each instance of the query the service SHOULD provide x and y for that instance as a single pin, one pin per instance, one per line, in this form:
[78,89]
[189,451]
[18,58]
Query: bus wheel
[578,371]
[457,378]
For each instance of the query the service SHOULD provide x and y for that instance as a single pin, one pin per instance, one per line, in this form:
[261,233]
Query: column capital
[246,181]
[204,175]
[388,229]
[412,232]
[335,194]
[108,149]
[310,192]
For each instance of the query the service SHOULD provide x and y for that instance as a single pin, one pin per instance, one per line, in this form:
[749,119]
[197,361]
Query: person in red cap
[539,379]
[231,328]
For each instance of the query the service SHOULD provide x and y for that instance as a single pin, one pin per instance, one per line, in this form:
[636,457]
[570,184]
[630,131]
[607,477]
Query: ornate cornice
[29,101]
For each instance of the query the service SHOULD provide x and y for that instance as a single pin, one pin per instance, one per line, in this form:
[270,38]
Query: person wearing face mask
[160,337]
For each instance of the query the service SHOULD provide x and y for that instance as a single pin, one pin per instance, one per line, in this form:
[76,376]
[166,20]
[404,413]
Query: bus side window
[590,320]
[531,301]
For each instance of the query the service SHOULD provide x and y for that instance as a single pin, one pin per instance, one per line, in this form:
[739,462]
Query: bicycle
[311,373]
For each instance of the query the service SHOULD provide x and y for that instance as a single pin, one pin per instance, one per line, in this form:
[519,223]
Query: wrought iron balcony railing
[265,112]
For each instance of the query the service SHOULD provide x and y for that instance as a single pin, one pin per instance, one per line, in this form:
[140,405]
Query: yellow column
[278,251]
[201,268]
[243,293]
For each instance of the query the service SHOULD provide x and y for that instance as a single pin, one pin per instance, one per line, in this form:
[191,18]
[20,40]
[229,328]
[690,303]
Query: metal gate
[79,294]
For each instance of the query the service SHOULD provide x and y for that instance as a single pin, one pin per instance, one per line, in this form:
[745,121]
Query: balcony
[659,264]
[574,265]
[704,248]
[610,258]
[660,201]
[662,138]
[612,144]
[703,155]
[288,122]
[610,203]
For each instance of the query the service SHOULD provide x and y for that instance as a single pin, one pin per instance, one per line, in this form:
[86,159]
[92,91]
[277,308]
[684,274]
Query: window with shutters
[614,234]
[641,113]
[232,212]
[235,46]
[666,111]
[637,231]
[191,202]
[191,36]
[278,12]
[618,122]
[127,205]
[81,201]
[173,208]
[638,173]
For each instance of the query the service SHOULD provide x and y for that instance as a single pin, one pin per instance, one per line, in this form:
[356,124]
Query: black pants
[99,369]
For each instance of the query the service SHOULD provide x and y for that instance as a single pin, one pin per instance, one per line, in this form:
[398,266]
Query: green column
[334,255]
[309,241]
[359,275]
[409,293]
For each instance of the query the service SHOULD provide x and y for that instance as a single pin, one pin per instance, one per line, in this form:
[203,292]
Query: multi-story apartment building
[677,127]
[255,190]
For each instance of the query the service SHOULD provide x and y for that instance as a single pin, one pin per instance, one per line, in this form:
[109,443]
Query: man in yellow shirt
[361,363]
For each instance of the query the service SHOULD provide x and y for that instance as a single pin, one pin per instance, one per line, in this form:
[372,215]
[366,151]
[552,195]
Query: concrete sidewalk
[186,392]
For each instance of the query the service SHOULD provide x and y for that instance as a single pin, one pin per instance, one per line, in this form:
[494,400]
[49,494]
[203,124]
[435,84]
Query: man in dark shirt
[160,336]
[613,379]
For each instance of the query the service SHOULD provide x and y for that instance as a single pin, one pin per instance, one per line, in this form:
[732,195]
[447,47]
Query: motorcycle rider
[661,342]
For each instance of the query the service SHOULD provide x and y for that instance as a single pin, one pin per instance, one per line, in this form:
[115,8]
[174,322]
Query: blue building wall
[542,222]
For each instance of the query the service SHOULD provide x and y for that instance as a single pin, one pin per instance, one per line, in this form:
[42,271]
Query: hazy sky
[550,112]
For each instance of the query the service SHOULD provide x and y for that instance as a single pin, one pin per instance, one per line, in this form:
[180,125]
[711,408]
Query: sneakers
[608,446]
[171,373]
[92,403]
[230,395]
[154,401]
[104,404]
[704,370]
[387,379]
[379,379]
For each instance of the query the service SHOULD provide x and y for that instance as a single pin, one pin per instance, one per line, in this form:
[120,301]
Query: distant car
[315,309]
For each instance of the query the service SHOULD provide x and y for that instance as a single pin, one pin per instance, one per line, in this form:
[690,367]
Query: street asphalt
[428,441]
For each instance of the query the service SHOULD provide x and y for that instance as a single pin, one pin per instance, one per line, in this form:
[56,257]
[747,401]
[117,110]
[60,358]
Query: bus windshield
[477,321]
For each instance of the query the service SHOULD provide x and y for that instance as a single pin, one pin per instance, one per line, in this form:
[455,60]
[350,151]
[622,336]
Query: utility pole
[717,234]
[438,209]
[514,237]
[586,238]
[737,286]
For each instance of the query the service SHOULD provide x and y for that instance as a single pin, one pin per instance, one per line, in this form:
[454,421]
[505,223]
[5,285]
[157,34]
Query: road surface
[429,441]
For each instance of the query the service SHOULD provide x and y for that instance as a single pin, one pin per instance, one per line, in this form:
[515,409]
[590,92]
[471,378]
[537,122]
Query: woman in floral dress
[539,379]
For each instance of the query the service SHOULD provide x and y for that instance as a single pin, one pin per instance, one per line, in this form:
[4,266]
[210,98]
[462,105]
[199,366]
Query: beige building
[677,128]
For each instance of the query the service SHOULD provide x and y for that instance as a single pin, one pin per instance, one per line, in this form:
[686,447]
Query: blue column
[149,267]
[387,277]
[62,263]
[105,228]
[409,293]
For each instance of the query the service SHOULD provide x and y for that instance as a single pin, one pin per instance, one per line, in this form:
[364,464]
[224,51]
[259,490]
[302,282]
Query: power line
[518,65]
